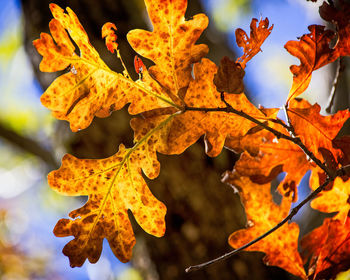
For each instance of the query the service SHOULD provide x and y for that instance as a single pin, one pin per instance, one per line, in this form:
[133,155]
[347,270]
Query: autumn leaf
[340,16]
[229,77]
[110,36]
[281,246]
[274,158]
[316,131]
[343,143]
[114,185]
[337,199]
[251,45]
[314,52]
[329,246]
[90,88]
[186,128]
[171,44]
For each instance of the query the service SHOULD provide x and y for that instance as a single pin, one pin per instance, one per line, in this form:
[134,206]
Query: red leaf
[313,51]
[251,46]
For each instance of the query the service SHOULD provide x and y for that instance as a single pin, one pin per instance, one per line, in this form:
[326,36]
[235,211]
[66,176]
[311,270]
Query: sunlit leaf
[280,247]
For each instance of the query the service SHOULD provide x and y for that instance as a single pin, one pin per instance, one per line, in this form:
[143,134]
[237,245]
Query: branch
[290,128]
[338,71]
[296,140]
[28,145]
[331,175]
[242,114]
[292,213]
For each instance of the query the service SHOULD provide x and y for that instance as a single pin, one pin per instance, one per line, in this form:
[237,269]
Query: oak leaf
[186,128]
[316,131]
[340,16]
[229,77]
[329,246]
[251,45]
[281,246]
[314,52]
[272,159]
[336,199]
[171,44]
[110,36]
[90,88]
[114,185]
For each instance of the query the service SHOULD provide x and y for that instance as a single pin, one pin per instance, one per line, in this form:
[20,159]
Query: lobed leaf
[316,131]
[251,45]
[90,88]
[114,185]
[332,200]
[229,77]
[171,44]
[186,128]
[314,52]
[109,34]
[281,246]
[275,156]
[329,246]
[341,17]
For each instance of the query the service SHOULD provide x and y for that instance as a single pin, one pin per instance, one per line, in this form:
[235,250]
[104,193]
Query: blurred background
[202,212]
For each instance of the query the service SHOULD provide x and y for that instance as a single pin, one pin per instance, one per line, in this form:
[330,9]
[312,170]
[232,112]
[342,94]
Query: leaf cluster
[182,97]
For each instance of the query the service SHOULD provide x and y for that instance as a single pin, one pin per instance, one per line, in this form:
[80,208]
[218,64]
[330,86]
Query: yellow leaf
[114,185]
[171,44]
[186,128]
[90,88]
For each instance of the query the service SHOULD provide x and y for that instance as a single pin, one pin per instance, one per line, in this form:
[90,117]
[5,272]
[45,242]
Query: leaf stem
[123,64]
[292,213]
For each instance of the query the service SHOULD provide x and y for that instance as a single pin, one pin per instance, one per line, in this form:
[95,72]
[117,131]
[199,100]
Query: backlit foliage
[182,97]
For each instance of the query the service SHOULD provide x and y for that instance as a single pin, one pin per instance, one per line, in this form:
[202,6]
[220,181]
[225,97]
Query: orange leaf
[329,246]
[251,46]
[313,52]
[171,44]
[90,88]
[273,159]
[337,199]
[186,128]
[280,247]
[114,185]
[110,36]
[316,131]
[229,77]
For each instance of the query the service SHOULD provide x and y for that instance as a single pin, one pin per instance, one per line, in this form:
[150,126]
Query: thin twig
[301,145]
[294,139]
[292,213]
[340,68]
[242,114]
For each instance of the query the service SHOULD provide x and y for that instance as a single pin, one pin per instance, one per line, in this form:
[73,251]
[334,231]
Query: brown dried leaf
[229,77]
